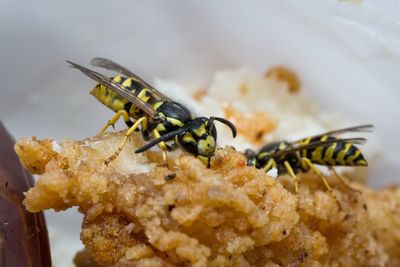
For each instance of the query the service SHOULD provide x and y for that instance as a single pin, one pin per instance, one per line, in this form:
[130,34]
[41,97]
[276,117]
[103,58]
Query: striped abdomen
[336,154]
[116,102]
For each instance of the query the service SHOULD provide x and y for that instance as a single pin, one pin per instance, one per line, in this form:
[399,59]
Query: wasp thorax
[171,116]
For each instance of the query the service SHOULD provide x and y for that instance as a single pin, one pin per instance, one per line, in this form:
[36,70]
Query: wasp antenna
[226,122]
[72,64]
[160,139]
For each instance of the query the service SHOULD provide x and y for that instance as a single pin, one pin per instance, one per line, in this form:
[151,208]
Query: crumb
[286,75]
[244,89]
[170,176]
[253,127]
[199,94]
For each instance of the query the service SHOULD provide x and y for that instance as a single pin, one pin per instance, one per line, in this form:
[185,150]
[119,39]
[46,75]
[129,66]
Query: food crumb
[286,75]
[253,126]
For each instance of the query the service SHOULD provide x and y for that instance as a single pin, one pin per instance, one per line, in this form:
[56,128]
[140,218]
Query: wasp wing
[359,128]
[355,141]
[117,88]
[111,65]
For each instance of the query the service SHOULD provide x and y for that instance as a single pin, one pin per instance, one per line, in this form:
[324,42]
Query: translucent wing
[359,128]
[111,65]
[356,141]
[117,88]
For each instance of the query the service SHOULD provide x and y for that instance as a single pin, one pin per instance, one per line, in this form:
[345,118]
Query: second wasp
[301,156]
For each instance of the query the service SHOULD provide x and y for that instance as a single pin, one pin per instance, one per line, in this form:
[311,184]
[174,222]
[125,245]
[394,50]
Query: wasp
[302,155]
[145,109]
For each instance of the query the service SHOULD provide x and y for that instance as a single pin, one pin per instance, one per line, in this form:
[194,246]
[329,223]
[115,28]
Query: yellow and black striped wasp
[159,118]
[301,156]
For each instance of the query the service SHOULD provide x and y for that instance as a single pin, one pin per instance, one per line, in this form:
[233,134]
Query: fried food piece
[137,213]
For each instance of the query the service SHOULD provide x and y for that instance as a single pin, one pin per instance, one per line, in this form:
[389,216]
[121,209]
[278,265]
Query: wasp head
[251,156]
[200,138]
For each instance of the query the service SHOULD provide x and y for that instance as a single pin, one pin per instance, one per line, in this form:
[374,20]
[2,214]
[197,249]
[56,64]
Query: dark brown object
[23,235]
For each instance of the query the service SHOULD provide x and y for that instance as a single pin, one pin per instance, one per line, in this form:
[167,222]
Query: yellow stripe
[175,122]
[351,158]
[282,146]
[329,154]
[305,141]
[263,155]
[188,138]
[142,95]
[342,154]
[117,79]
[200,130]
[160,127]
[324,138]
[207,146]
[302,143]
[118,104]
[157,105]
[127,83]
[361,163]
[316,155]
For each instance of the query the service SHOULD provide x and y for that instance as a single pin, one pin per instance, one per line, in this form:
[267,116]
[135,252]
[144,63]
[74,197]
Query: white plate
[346,53]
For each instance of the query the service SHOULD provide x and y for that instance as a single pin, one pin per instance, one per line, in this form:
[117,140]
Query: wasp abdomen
[115,102]
[337,154]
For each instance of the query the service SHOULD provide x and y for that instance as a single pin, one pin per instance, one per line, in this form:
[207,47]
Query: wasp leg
[128,133]
[162,145]
[308,163]
[343,181]
[173,147]
[293,175]
[270,164]
[115,118]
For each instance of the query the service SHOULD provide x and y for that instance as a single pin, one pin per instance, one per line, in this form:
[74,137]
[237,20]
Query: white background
[347,54]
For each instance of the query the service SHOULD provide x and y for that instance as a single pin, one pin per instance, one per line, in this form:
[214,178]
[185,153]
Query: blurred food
[253,126]
[23,235]
[230,214]
[286,75]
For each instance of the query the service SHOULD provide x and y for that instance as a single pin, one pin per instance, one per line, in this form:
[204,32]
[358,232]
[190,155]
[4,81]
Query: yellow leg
[308,163]
[293,175]
[128,133]
[269,165]
[114,119]
[162,145]
[342,181]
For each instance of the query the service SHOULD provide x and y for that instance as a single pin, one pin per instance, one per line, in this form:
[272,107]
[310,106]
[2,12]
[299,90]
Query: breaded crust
[137,213]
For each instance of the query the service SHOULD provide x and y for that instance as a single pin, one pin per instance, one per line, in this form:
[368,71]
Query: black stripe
[323,152]
[352,150]
[339,147]
[137,87]
[359,157]
[309,153]
[123,79]
[127,108]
